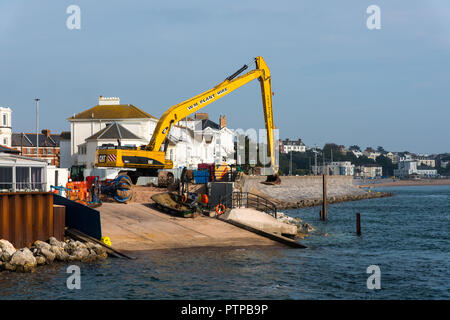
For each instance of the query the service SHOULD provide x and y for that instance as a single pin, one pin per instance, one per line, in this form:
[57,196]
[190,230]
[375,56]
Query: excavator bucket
[273,179]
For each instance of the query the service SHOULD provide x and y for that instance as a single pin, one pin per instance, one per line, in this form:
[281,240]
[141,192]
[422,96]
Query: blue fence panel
[81,217]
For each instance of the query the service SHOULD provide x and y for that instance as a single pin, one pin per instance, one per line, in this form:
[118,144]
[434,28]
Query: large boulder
[60,254]
[23,260]
[48,254]
[42,245]
[81,254]
[8,266]
[99,249]
[54,242]
[73,246]
[6,250]
[40,260]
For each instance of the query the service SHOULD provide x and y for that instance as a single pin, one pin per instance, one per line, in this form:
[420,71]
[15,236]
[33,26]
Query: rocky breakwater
[306,191]
[41,253]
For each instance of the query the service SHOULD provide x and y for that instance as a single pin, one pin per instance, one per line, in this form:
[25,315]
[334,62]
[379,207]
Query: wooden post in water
[358,224]
[324,202]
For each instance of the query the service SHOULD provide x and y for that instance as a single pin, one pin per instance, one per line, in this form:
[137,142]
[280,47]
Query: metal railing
[249,200]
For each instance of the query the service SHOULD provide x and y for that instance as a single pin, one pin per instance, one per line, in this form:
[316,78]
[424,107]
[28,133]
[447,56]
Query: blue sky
[334,80]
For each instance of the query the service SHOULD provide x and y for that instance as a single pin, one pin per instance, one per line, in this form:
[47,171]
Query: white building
[408,168]
[405,168]
[112,135]
[393,156]
[18,173]
[108,110]
[287,146]
[425,161]
[357,153]
[190,141]
[336,168]
[5,126]
[201,141]
[406,157]
[369,171]
[426,171]
[372,154]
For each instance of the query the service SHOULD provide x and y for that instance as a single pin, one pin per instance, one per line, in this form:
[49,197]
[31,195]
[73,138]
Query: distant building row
[346,168]
[191,141]
[26,144]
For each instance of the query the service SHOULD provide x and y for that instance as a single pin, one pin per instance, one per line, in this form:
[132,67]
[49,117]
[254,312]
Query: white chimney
[108,101]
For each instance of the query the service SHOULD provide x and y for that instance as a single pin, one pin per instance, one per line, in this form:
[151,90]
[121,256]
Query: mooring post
[324,202]
[358,224]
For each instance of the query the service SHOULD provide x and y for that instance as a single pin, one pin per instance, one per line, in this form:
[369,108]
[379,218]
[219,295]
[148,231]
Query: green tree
[386,163]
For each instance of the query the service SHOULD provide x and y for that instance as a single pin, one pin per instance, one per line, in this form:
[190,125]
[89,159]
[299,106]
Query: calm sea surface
[407,236]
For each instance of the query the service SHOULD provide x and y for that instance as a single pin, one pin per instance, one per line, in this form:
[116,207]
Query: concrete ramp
[261,220]
[136,226]
[262,224]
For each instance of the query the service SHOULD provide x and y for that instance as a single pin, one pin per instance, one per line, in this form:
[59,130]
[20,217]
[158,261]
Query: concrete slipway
[137,226]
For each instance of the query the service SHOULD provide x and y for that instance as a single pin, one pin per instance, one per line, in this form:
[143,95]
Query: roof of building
[65,135]
[29,140]
[111,112]
[6,149]
[298,142]
[206,123]
[16,160]
[113,132]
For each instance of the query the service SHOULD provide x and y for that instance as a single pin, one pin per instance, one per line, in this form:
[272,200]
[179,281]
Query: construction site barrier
[81,217]
[29,216]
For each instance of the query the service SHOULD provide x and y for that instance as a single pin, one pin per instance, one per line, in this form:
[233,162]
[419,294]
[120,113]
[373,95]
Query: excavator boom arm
[188,107]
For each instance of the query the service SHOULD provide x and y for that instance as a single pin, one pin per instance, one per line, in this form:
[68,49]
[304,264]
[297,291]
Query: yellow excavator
[148,159]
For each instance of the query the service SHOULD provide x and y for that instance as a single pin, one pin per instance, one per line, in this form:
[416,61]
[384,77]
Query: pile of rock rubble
[26,259]
[302,227]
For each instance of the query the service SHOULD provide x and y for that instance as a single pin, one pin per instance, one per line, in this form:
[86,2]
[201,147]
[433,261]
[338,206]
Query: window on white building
[82,149]
[5,118]
[6,178]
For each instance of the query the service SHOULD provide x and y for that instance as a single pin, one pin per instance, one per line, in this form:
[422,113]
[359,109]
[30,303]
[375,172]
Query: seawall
[306,191]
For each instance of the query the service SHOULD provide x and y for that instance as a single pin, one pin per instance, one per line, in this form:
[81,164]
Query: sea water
[406,236]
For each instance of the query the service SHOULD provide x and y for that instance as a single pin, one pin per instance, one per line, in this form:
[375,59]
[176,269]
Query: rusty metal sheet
[26,217]
[59,221]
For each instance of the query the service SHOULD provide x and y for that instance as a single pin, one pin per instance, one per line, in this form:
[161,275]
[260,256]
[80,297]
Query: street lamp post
[37,127]
[290,165]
